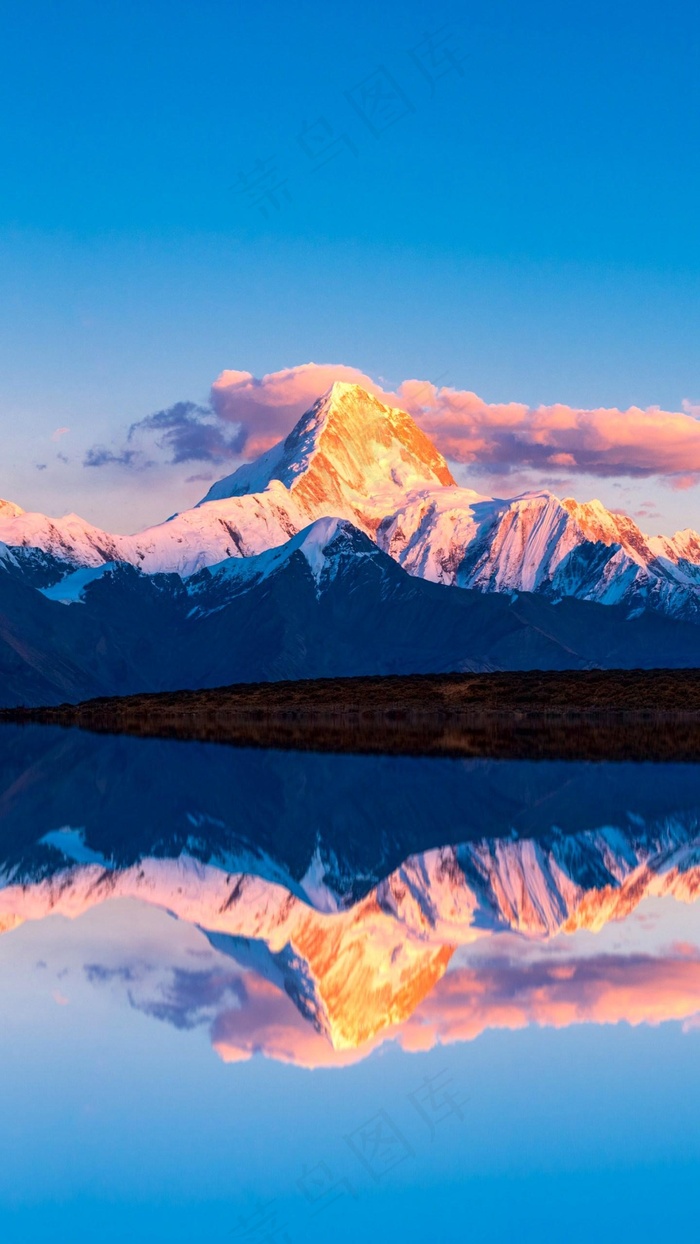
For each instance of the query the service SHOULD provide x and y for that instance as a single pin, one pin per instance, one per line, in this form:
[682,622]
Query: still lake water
[274,996]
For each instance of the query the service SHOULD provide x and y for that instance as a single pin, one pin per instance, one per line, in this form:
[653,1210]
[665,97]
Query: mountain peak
[326,545]
[340,388]
[348,451]
[8,509]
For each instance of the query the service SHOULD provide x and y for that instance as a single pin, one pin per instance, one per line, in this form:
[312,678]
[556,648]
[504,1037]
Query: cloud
[648,509]
[604,441]
[247,415]
[682,482]
[190,433]
[267,409]
[495,438]
[185,432]
[100,455]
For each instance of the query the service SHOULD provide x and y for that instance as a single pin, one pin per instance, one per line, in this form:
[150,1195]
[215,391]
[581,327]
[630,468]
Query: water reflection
[340,902]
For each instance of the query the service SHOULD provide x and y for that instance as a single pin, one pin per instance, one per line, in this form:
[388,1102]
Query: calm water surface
[269,996]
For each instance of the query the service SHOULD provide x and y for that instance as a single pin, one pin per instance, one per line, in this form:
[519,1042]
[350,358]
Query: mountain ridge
[411,551]
[350,456]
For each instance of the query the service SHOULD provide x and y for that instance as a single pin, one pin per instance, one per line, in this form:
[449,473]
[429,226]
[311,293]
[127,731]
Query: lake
[266,995]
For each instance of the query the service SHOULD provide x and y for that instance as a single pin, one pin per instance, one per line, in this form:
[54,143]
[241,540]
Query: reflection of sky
[118,1122]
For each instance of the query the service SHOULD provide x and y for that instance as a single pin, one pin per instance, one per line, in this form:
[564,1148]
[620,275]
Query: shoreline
[587,715]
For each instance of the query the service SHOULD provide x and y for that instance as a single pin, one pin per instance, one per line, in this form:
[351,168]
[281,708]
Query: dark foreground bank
[592,714]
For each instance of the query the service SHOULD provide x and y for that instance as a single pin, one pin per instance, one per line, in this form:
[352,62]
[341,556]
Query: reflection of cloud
[244,1012]
[354,976]
[268,1023]
[606,989]
[179,996]
[247,1014]
[96,973]
[189,999]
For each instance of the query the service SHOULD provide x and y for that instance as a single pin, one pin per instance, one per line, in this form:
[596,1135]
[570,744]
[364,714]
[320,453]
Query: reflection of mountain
[355,970]
[355,932]
[360,815]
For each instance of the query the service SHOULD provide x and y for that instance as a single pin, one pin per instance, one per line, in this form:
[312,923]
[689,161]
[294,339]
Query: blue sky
[520,220]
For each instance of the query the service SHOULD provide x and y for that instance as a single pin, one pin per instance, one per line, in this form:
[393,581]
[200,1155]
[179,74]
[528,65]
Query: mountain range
[348,548]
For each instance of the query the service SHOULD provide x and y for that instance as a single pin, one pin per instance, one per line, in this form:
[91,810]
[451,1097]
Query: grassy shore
[593,714]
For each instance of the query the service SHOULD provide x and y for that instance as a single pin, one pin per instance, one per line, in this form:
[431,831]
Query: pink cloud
[269,408]
[682,482]
[647,509]
[605,441]
[493,437]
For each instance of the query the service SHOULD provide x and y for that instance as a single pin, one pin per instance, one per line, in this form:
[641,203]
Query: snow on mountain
[352,458]
[71,590]
[69,540]
[348,457]
[8,509]
[237,527]
[325,546]
[537,543]
[234,527]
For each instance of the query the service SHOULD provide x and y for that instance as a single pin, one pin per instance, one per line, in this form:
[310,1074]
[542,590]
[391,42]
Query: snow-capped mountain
[348,457]
[328,547]
[327,603]
[339,551]
[352,457]
[537,543]
[237,527]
